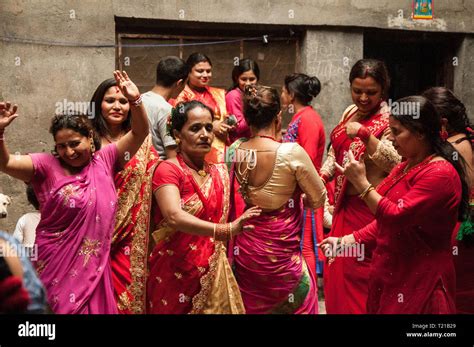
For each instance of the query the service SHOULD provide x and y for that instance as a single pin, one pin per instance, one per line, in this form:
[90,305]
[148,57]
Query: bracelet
[222,232]
[214,234]
[363,133]
[366,191]
[324,178]
[137,101]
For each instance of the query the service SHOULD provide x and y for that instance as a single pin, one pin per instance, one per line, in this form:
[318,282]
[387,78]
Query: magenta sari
[73,236]
[270,269]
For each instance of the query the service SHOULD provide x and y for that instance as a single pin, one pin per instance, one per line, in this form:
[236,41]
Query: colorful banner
[423,9]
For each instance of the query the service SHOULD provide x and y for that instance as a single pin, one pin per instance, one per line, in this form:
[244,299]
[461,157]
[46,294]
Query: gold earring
[178,141]
[92,147]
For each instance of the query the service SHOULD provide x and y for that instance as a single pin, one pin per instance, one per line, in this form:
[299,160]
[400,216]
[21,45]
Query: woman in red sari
[363,130]
[198,89]
[412,268]
[189,270]
[130,239]
[459,131]
[307,129]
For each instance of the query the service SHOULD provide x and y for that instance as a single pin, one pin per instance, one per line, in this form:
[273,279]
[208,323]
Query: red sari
[307,129]
[132,225]
[183,266]
[214,98]
[412,268]
[345,280]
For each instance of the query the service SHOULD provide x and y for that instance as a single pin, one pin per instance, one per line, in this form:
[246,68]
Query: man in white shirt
[171,76]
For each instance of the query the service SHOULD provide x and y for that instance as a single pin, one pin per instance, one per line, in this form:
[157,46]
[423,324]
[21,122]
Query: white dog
[5,200]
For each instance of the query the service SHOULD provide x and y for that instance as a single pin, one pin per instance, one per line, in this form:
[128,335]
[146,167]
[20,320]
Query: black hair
[31,196]
[261,105]
[179,114]
[244,66]
[77,122]
[196,58]
[372,68]
[98,120]
[170,70]
[303,87]
[451,108]
[428,123]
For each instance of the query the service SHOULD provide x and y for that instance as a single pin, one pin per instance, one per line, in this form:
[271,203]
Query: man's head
[172,72]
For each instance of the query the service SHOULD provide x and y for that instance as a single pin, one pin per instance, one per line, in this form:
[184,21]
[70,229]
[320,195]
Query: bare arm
[17,166]
[169,202]
[128,145]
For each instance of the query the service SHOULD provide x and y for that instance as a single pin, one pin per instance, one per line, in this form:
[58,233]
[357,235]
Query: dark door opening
[416,60]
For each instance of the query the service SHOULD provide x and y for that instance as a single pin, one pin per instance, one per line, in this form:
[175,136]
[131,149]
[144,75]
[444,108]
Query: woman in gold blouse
[269,267]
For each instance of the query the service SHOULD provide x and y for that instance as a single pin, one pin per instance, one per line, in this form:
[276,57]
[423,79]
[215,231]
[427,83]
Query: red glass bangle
[364,133]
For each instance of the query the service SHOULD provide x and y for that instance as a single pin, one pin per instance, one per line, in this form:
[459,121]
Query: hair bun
[314,86]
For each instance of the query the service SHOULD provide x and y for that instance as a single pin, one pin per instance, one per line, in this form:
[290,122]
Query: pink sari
[74,234]
[269,267]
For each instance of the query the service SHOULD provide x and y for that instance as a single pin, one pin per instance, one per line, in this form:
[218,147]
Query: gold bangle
[366,190]
[222,232]
[367,193]
[214,234]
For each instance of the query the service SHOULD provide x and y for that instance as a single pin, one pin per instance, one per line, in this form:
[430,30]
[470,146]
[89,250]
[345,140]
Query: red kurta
[412,268]
[307,129]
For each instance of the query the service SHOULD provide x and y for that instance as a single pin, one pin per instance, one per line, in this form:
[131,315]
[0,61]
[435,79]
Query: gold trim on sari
[140,175]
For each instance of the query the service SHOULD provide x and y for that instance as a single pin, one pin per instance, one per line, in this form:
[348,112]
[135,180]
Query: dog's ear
[9,200]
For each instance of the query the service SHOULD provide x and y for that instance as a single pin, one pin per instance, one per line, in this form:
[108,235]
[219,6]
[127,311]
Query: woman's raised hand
[7,114]
[352,129]
[126,86]
[354,170]
[238,225]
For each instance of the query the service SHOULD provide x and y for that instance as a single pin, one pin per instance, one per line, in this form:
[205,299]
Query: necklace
[201,172]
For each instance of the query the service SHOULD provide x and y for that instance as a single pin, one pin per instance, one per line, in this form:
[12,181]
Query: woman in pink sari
[272,273]
[75,188]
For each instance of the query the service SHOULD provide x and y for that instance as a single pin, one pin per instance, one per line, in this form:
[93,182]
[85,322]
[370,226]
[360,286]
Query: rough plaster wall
[36,77]
[453,15]
[464,75]
[329,55]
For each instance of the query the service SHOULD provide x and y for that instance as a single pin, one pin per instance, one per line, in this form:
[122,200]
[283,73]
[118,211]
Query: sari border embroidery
[207,279]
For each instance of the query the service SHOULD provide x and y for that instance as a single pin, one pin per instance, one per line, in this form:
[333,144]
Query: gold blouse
[292,167]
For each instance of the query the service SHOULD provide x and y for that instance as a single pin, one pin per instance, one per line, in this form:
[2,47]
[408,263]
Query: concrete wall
[329,55]
[52,66]
[464,75]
